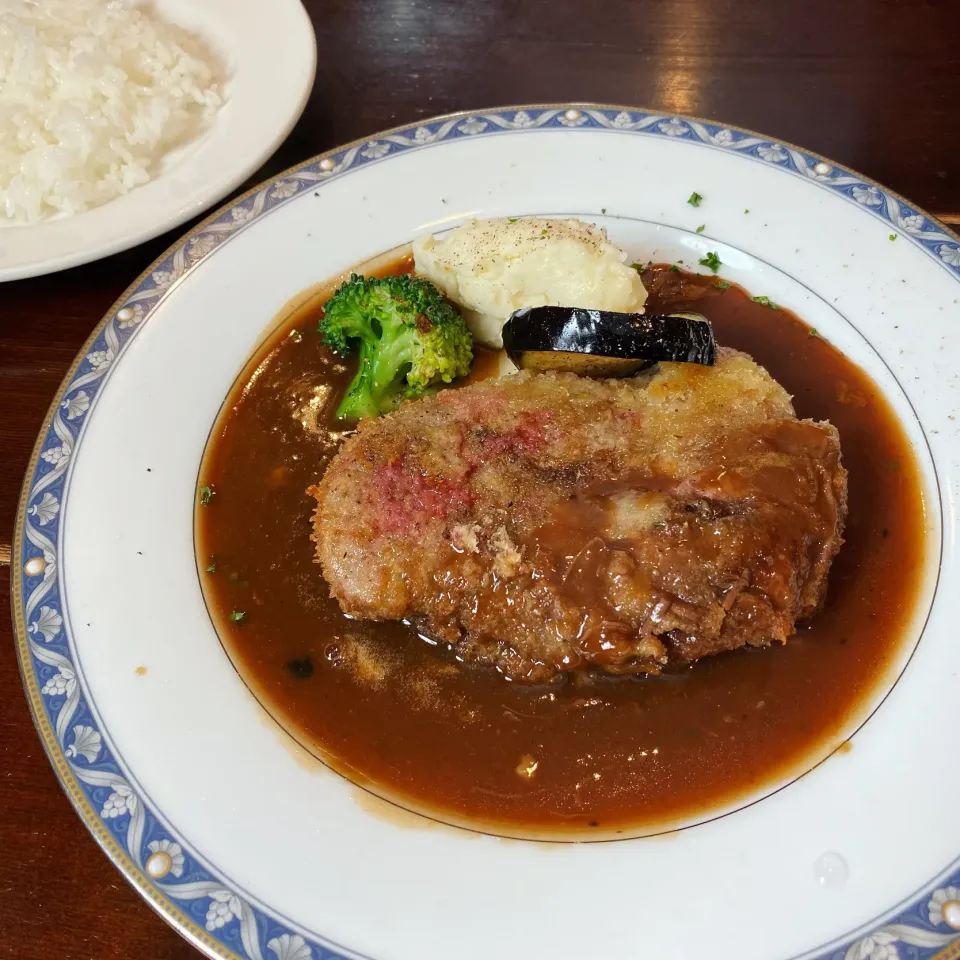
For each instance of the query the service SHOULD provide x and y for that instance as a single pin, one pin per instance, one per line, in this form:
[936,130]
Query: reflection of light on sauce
[527,766]
[255,376]
[308,413]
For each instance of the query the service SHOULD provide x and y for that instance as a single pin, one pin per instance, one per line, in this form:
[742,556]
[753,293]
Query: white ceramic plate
[262,105]
[253,850]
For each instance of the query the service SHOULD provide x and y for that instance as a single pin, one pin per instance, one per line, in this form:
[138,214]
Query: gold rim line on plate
[163,905]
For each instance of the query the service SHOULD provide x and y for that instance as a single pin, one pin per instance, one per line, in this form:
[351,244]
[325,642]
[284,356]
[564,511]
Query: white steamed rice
[93,94]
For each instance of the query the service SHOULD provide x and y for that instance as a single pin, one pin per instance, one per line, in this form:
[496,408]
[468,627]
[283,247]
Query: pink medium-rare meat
[547,523]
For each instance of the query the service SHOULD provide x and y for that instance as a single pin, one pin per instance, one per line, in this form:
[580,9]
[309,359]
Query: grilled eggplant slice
[601,343]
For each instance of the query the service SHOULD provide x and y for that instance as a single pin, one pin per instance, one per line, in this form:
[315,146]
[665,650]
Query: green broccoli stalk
[409,338]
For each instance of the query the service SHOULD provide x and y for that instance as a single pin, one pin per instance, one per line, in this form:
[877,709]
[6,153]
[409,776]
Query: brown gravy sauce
[590,758]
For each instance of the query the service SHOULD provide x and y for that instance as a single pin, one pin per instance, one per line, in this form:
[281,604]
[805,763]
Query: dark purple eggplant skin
[604,333]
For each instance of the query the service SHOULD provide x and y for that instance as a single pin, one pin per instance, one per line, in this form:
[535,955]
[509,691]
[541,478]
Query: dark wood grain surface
[870,83]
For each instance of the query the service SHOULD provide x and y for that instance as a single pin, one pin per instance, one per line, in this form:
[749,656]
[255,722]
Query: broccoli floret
[409,338]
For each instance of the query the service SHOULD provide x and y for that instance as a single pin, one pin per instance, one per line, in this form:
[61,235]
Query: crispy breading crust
[550,523]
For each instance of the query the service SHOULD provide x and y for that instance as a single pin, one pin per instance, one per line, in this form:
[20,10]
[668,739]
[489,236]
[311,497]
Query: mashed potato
[492,267]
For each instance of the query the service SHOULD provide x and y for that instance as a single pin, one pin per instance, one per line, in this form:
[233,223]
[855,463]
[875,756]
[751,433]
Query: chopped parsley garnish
[747,210]
[701,228]
[638,267]
[711,260]
[893,236]
[722,285]
[674,268]
[238,616]
[694,199]
[813,332]
[512,219]
[544,232]
[766,301]
[206,495]
[212,565]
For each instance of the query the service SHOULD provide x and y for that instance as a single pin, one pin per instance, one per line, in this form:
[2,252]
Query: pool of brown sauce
[599,757]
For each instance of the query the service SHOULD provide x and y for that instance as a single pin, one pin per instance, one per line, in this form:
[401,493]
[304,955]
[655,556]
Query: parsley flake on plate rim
[711,261]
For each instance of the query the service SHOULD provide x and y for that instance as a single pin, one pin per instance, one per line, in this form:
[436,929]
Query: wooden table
[870,83]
